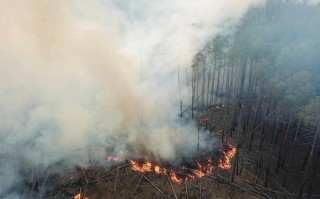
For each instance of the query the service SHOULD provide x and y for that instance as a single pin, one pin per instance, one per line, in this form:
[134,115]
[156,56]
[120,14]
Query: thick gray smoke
[78,77]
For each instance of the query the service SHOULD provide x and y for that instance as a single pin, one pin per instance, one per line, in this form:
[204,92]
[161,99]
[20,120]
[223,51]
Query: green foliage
[311,112]
[282,40]
[299,89]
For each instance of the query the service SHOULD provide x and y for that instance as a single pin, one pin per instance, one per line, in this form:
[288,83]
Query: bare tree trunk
[243,75]
[203,88]
[193,91]
[180,92]
[187,76]
[281,145]
[263,137]
[290,156]
[314,175]
[254,123]
[218,83]
[213,79]
[258,166]
[267,171]
[224,86]
[197,89]
[250,77]
[208,85]
[309,160]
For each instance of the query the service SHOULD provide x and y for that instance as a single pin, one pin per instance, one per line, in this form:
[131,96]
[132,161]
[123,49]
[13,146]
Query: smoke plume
[79,78]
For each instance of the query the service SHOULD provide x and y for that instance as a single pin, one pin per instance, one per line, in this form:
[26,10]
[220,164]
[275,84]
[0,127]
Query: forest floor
[121,181]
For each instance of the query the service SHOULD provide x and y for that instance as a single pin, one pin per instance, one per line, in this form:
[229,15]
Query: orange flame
[202,169]
[147,167]
[159,170]
[226,163]
[190,177]
[141,168]
[198,173]
[78,196]
[174,177]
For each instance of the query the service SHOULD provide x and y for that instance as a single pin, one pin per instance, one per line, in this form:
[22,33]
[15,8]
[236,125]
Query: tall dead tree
[309,160]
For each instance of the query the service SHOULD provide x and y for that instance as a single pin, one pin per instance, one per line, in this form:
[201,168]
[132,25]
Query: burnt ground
[267,154]
[120,181]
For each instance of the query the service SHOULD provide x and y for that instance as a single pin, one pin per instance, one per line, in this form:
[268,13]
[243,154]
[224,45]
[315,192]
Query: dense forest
[276,50]
[266,72]
[160,99]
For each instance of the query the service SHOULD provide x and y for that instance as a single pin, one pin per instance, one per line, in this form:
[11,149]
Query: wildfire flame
[203,165]
[159,170]
[78,196]
[202,168]
[174,177]
[226,163]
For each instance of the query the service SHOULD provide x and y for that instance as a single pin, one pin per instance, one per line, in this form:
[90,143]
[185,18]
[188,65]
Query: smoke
[78,77]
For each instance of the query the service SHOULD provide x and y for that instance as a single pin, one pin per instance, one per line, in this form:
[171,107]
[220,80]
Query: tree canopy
[281,41]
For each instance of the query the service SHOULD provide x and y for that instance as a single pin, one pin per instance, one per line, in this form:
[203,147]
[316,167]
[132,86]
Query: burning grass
[79,196]
[179,172]
[189,169]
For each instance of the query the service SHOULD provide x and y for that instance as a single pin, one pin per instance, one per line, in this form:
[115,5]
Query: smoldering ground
[78,77]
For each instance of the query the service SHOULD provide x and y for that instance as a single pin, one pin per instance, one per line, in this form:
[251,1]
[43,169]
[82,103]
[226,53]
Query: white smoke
[70,82]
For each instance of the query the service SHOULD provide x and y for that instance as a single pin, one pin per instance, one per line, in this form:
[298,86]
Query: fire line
[205,166]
